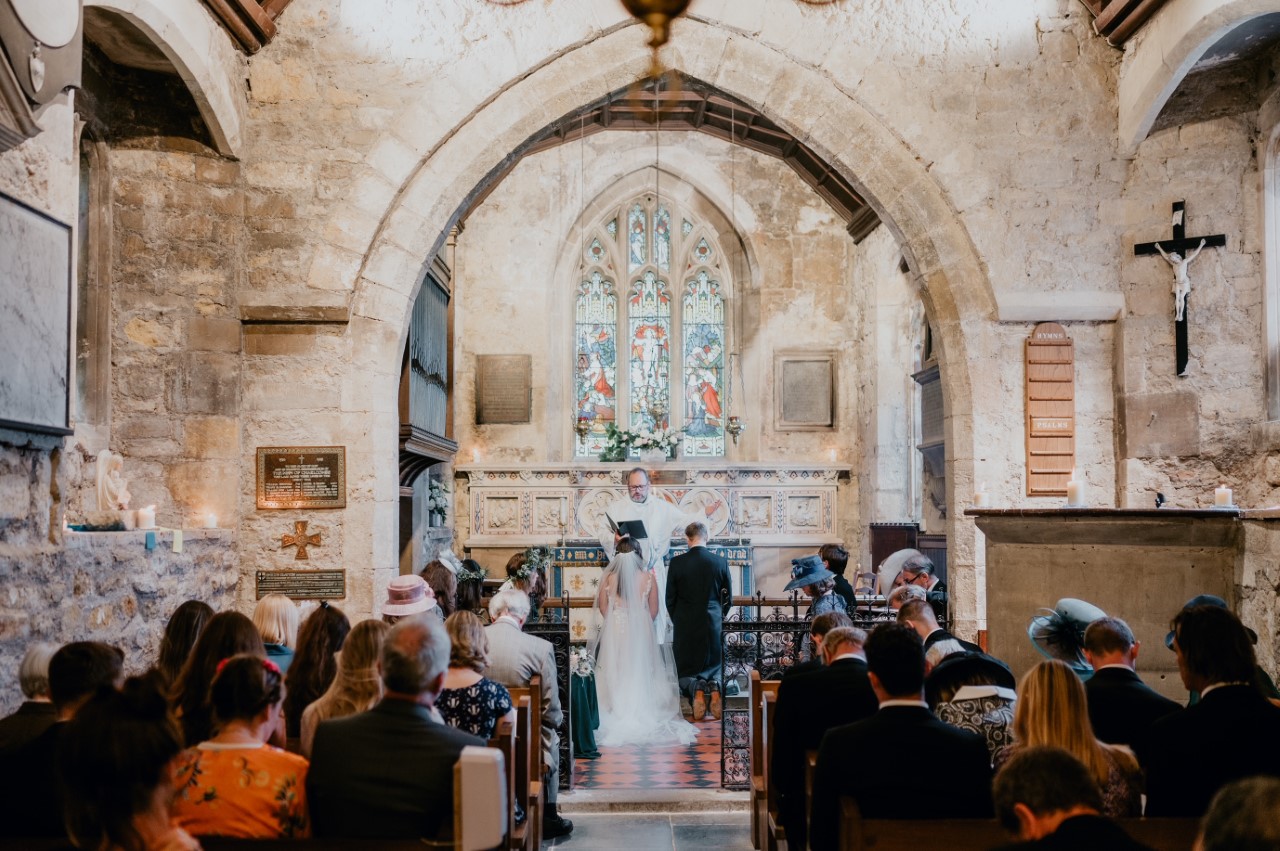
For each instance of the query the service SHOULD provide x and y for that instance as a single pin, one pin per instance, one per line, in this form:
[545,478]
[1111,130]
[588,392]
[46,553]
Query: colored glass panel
[702,312]
[662,239]
[702,252]
[687,227]
[596,253]
[649,320]
[637,243]
[596,381]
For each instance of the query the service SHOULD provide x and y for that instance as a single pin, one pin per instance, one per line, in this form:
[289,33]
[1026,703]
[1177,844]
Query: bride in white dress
[635,676]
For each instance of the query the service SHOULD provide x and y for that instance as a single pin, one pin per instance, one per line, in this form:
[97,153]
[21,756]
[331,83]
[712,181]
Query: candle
[981,499]
[211,521]
[147,517]
[1075,491]
[1222,497]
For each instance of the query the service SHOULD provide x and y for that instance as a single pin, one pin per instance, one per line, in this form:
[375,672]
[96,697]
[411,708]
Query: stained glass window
[596,375]
[703,326]
[649,312]
[670,370]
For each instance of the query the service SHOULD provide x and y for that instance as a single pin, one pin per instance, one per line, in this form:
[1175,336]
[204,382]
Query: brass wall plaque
[302,477]
[504,389]
[303,584]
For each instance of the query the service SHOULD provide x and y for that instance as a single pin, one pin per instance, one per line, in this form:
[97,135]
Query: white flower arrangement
[438,498]
[665,439]
[582,663]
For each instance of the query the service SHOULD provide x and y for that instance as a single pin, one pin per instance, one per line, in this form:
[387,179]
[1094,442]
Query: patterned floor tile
[696,766]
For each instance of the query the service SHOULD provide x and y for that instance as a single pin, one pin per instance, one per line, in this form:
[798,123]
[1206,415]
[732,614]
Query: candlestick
[1075,492]
[1222,497]
[146,517]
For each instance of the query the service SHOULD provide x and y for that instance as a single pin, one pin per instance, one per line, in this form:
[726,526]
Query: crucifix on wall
[1178,253]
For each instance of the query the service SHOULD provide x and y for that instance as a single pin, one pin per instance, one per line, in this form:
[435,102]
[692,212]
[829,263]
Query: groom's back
[698,579]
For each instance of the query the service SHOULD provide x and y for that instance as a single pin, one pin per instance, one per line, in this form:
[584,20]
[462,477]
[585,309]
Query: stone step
[653,801]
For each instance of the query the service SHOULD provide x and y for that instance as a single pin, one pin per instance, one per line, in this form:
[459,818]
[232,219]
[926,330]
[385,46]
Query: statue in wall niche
[1181,282]
[113,488]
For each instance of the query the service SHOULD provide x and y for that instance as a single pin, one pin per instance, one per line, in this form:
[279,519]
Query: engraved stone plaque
[805,392]
[303,584]
[302,477]
[504,389]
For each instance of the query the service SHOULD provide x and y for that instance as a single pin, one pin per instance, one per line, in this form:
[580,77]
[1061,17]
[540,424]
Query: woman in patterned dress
[235,784]
[470,701]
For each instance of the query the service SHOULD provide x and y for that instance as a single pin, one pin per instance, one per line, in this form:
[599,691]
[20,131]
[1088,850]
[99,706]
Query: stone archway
[415,181]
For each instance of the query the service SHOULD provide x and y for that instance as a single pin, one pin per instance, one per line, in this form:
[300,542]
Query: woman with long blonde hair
[356,687]
[1052,709]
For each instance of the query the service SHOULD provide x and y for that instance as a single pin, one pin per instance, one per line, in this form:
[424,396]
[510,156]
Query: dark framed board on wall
[301,477]
[35,319]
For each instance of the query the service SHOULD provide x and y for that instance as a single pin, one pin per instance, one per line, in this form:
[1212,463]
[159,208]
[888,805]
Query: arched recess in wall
[454,163]
[730,256]
[193,46]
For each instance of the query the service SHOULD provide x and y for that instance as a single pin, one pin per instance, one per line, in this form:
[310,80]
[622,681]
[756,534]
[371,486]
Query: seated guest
[1121,705]
[1244,816]
[903,594]
[918,570]
[818,583]
[1058,633]
[31,800]
[471,701]
[1047,798]
[836,558]
[356,687]
[471,578]
[315,663]
[227,634]
[235,784]
[514,659]
[919,616]
[900,741]
[388,773]
[524,573]
[276,617]
[443,584]
[408,596]
[115,763]
[973,691]
[1192,753]
[1052,710]
[180,634]
[839,693]
[818,629]
[36,714]
[1262,680]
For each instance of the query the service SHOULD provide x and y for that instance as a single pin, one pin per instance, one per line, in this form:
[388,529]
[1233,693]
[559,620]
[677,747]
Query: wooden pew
[859,834]
[531,790]
[504,739]
[759,692]
[776,834]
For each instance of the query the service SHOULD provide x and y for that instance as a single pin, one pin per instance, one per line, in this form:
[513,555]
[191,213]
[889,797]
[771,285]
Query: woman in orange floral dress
[235,784]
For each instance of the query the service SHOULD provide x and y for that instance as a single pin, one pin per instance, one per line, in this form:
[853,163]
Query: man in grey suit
[514,658]
[388,773]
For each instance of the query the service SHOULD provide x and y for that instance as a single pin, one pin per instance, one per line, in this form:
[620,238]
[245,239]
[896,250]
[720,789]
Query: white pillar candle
[211,521]
[981,499]
[1075,491]
[147,517]
[1222,497]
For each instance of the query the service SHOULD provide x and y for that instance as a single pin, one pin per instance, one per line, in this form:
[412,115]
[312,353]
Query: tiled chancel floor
[695,766]
[722,831]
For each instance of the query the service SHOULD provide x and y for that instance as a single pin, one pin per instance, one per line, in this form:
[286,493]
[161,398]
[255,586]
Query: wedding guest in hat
[1058,633]
[407,596]
[1264,682]
[811,574]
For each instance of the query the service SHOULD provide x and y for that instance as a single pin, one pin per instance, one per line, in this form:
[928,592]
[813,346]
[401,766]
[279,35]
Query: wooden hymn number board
[1051,410]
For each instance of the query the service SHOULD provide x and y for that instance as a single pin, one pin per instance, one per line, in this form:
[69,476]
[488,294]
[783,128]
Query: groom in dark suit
[698,593]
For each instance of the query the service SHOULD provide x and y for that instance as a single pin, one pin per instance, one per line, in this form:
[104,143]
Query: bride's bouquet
[582,663]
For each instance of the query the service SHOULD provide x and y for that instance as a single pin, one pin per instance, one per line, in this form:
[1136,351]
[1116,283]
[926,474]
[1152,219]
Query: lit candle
[1075,491]
[981,499]
[1222,497]
[147,517]
[211,521]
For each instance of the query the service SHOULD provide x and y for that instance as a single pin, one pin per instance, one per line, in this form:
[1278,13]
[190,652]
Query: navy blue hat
[1058,633]
[807,571]
[1207,600]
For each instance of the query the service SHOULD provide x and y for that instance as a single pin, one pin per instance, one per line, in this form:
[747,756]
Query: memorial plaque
[805,391]
[504,389]
[303,584]
[302,477]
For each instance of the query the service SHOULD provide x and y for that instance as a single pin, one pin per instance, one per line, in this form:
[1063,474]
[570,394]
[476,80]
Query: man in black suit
[836,558]
[918,614]
[808,706]
[699,591]
[388,773]
[818,629]
[883,762]
[1192,753]
[1121,705]
[1047,798]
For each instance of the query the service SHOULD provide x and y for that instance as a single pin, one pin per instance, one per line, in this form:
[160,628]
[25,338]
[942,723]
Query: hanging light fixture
[735,425]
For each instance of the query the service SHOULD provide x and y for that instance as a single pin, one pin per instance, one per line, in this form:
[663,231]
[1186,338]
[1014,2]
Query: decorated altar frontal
[775,512]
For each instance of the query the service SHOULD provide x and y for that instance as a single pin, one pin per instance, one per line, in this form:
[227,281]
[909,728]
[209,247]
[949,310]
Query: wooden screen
[1051,410]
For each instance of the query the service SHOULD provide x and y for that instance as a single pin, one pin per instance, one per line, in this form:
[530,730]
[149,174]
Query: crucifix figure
[300,539]
[1175,253]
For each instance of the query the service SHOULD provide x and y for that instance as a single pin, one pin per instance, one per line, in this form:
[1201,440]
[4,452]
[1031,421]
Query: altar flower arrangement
[664,439]
[437,499]
[621,441]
